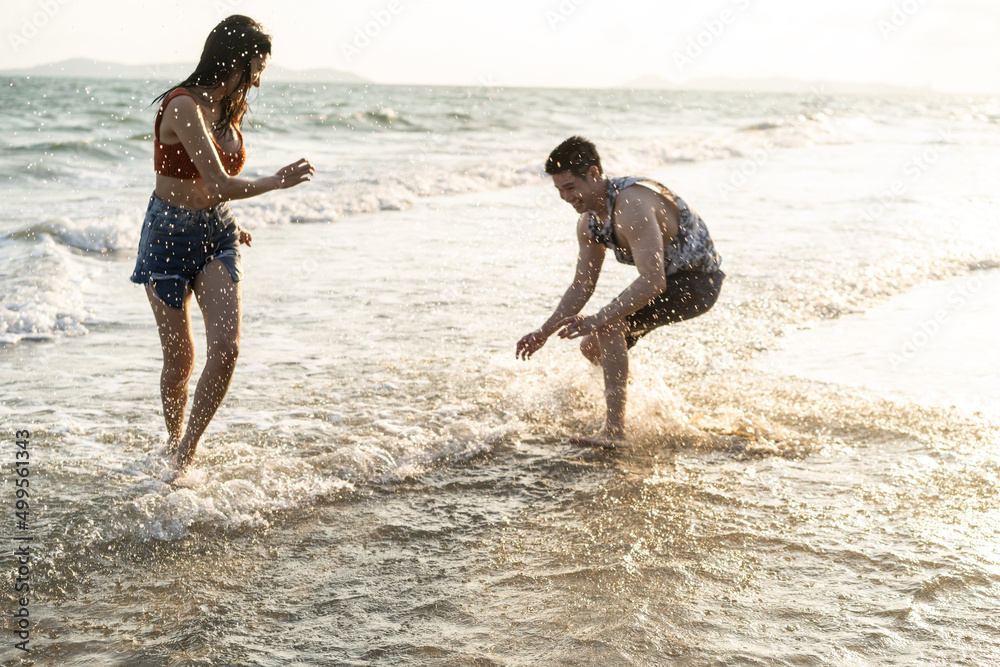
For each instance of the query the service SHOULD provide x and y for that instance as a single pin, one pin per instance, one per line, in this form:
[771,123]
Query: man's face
[581,192]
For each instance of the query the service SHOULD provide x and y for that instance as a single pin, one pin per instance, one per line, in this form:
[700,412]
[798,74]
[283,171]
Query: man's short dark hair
[575,155]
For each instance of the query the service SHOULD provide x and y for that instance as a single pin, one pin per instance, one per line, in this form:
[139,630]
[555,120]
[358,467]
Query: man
[647,226]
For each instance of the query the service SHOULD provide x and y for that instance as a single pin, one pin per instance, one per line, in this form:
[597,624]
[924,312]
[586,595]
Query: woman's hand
[295,173]
[245,237]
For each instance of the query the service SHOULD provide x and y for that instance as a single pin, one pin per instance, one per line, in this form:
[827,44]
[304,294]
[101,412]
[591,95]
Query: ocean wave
[102,235]
[371,192]
[243,494]
[106,150]
[426,164]
[767,136]
[382,119]
[43,293]
[431,172]
[246,480]
[41,318]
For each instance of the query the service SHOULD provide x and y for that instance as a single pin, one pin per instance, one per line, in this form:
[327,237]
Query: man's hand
[577,326]
[530,344]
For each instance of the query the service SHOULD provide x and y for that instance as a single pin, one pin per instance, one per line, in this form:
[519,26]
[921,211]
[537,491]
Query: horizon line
[659,83]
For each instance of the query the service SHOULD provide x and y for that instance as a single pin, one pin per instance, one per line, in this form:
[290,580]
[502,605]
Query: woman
[190,240]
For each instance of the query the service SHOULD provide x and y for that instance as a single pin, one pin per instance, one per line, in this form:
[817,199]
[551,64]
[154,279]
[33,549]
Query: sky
[949,45]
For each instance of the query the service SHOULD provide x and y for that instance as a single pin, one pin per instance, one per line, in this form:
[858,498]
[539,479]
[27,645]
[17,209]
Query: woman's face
[257,67]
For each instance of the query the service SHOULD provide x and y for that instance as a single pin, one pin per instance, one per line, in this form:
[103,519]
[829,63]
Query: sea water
[811,481]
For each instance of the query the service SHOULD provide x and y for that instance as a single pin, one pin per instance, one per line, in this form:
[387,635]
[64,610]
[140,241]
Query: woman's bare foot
[177,470]
[171,448]
[171,475]
[602,440]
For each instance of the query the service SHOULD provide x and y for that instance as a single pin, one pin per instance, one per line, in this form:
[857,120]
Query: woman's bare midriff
[184,192]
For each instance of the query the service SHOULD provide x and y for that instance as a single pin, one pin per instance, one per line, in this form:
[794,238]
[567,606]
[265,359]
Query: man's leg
[591,349]
[687,295]
[614,362]
[609,348]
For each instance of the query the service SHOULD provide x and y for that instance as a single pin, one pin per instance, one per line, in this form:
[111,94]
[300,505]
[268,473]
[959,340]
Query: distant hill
[96,69]
[773,85]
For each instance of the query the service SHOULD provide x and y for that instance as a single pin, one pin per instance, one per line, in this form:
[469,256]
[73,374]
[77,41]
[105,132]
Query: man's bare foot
[602,440]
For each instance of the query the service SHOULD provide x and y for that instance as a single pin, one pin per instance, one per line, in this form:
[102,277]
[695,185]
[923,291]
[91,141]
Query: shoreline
[941,329]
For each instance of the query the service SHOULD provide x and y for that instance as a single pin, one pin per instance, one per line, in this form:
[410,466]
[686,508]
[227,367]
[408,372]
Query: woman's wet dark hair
[231,47]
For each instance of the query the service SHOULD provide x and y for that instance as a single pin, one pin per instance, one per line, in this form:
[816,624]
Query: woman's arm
[184,118]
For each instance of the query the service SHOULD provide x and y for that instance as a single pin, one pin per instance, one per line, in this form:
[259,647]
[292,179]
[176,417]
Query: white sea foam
[43,293]
[102,234]
[40,319]
[373,191]
[750,141]
[369,189]
[236,486]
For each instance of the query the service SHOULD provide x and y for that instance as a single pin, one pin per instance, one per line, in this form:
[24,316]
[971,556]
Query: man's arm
[589,261]
[638,227]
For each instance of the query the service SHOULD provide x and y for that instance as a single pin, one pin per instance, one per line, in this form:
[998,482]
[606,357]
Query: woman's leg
[218,296]
[177,342]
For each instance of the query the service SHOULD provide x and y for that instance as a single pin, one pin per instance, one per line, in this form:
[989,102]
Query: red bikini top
[173,160]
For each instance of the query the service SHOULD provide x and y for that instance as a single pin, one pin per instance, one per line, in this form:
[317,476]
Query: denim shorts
[688,294]
[177,244]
